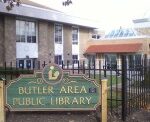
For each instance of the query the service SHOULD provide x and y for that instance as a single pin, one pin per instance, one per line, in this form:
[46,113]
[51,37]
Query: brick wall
[1,40]
[43,41]
[67,32]
[10,38]
[51,41]
[83,39]
[143,31]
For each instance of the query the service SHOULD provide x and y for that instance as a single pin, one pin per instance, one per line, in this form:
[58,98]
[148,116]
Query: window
[91,60]
[96,36]
[25,63]
[58,33]
[21,63]
[75,35]
[75,59]
[138,60]
[135,60]
[110,61]
[25,31]
[58,59]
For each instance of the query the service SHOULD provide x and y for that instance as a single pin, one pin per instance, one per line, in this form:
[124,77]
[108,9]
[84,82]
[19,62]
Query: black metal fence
[135,85]
[128,82]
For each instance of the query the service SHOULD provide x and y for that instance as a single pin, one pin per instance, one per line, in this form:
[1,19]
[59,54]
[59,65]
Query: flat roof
[141,20]
[31,3]
[47,14]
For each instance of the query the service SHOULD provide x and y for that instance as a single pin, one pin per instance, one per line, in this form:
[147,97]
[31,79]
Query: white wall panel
[26,49]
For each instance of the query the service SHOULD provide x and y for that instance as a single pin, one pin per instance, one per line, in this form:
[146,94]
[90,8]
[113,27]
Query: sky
[108,13]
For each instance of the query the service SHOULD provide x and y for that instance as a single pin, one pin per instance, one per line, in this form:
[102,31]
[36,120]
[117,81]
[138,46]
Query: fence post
[124,88]
[2,108]
[105,67]
[103,100]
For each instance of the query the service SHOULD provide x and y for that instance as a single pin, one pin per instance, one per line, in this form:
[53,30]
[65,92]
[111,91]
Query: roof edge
[114,48]
[141,20]
[49,15]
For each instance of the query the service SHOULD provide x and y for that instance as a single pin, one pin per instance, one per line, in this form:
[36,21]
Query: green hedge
[14,71]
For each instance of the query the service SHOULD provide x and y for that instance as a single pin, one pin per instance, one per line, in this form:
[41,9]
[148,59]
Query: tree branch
[11,3]
[67,2]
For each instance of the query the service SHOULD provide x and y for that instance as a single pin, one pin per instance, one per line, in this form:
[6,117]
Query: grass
[112,80]
[115,100]
[114,97]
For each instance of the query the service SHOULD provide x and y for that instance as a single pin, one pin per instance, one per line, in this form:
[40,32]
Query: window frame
[75,41]
[58,60]
[60,36]
[25,63]
[110,60]
[75,61]
[96,36]
[28,30]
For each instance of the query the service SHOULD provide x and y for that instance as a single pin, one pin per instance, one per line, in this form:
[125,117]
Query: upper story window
[25,31]
[75,35]
[58,33]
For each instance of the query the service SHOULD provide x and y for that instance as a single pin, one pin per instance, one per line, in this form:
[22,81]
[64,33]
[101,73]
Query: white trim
[26,49]
[141,20]
[78,44]
[130,37]
[55,29]
[142,25]
[29,20]
[48,15]
[62,42]
[37,32]
[72,33]
[44,9]
[32,48]
[62,45]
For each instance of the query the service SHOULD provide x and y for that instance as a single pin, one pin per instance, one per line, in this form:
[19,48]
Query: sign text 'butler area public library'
[52,89]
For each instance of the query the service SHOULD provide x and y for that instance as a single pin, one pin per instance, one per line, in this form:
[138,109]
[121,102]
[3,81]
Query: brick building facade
[37,33]
[30,34]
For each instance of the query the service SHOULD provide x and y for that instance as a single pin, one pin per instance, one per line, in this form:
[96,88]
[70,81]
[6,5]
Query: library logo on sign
[52,74]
